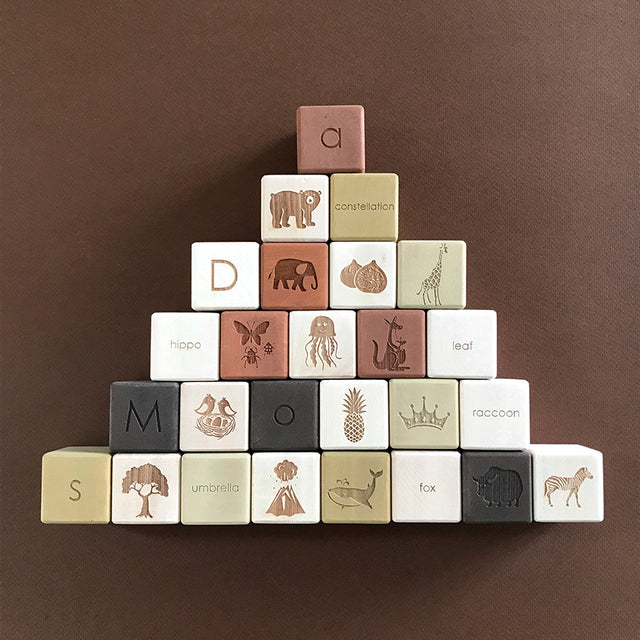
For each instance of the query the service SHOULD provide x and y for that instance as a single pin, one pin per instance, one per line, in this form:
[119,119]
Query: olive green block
[216,488]
[364,206]
[76,486]
[424,414]
[432,274]
[356,487]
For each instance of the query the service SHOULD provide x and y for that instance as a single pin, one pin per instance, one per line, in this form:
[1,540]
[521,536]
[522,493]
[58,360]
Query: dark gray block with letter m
[284,415]
[144,416]
[496,486]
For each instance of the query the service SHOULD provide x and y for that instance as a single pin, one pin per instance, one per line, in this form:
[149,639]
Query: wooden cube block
[322,344]
[432,274]
[364,206]
[496,486]
[185,346]
[330,138]
[216,488]
[354,414]
[144,416]
[214,416]
[225,275]
[494,414]
[295,208]
[145,488]
[294,275]
[391,344]
[285,488]
[423,414]
[356,487]
[426,486]
[362,275]
[255,344]
[568,483]
[284,415]
[462,344]
[76,486]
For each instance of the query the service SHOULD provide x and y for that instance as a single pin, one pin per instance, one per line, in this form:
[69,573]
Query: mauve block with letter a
[330,139]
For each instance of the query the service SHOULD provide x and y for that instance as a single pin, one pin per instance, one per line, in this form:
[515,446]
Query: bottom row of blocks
[548,483]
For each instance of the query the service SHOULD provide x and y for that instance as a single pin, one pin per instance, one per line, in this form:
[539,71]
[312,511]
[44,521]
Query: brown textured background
[131,129]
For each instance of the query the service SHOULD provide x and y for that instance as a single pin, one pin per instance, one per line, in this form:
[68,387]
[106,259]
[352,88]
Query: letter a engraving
[213,275]
[143,425]
[333,139]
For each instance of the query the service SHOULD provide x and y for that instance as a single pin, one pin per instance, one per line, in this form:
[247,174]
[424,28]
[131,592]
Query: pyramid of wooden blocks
[340,382]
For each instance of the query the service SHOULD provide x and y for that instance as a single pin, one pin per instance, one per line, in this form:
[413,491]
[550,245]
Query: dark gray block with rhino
[496,486]
[284,415]
[144,417]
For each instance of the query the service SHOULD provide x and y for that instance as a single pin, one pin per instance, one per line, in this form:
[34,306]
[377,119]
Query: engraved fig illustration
[370,278]
[348,274]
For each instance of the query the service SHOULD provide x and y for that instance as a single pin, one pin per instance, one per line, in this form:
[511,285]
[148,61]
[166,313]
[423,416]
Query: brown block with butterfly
[254,344]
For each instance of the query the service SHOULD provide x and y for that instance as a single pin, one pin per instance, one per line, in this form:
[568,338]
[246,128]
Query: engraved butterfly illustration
[251,333]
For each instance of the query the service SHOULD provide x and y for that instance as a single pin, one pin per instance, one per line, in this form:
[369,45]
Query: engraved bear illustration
[299,204]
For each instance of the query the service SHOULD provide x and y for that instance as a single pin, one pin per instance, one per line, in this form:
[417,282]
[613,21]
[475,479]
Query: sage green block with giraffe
[424,414]
[432,274]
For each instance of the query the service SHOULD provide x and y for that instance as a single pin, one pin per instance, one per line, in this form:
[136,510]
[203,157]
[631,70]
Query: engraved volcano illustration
[347,496]
[286,502]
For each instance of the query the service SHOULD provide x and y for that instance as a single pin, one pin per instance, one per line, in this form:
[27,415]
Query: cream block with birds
[354,414]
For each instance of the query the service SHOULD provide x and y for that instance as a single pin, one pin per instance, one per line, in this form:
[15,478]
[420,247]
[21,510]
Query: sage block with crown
[423,414]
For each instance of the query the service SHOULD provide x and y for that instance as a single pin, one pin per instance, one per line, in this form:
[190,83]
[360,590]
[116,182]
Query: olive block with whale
[295,208]
[294,275]
[144,417]
[391,344]
[496,486]
[284,415]
[356,487]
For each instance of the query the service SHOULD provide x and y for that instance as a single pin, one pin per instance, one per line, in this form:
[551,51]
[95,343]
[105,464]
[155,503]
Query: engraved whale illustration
[354,497]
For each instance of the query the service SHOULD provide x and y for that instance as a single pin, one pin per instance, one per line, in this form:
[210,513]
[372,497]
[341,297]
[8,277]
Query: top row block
[330,139]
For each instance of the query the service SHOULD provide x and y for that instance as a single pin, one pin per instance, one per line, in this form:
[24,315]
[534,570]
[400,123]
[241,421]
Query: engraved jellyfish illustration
[322,345]
[286,502]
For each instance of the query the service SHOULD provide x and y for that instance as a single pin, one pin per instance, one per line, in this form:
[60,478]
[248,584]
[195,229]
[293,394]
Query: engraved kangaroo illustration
[572,485]
[394,354]
[432,282]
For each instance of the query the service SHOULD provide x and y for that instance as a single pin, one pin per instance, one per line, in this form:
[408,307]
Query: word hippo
[299,204]
[500,486]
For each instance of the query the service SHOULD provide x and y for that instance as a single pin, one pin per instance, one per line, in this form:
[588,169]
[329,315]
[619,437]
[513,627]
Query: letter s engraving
[76,490]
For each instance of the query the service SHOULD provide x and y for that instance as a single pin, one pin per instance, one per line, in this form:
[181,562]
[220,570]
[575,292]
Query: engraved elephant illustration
[296,270]
[299,204]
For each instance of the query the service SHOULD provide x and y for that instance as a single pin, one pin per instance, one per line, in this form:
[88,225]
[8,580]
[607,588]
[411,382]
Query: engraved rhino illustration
[299,204]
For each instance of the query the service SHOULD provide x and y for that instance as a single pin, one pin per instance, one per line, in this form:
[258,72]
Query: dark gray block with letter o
[144,417]
[496,486]
[284,415]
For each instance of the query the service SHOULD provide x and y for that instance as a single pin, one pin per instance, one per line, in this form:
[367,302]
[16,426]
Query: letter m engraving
[143,425]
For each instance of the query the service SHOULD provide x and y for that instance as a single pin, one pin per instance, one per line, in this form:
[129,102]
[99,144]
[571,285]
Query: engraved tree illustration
[146,480]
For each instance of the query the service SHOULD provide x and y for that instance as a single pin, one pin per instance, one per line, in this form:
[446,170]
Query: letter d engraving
[213,275]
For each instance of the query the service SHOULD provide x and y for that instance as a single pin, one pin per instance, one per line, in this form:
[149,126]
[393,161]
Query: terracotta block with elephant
[295,208]
[294,276]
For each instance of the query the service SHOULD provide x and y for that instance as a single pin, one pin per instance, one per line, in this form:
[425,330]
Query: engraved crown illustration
[424,418]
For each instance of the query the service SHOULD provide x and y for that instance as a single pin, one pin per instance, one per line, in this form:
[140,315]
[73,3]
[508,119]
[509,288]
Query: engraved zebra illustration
[572,485]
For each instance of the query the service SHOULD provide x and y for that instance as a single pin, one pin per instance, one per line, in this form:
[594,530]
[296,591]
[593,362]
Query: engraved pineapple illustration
[354,408]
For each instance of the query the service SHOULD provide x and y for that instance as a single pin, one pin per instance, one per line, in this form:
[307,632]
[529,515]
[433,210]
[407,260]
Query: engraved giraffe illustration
[432,282]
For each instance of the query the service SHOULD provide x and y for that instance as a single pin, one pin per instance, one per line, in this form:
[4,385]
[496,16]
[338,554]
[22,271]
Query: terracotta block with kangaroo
[294,275]
[391,344]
